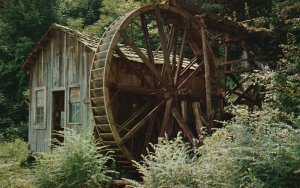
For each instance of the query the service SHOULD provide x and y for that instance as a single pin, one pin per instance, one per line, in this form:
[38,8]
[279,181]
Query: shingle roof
[92,43]
[89,41]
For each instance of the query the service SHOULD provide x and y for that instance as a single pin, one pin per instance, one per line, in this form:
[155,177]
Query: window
[40,106]
[75,105]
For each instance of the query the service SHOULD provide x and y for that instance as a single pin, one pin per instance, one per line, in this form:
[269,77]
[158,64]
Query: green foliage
[169,165]
[13,131]
[87,11]
[110,11]
[12,174]
[74,163]
[254,150]
[260,149]
[287,81]
[15,151]
[22,23]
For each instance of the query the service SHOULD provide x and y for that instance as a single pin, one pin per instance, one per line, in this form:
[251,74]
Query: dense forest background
[23,22]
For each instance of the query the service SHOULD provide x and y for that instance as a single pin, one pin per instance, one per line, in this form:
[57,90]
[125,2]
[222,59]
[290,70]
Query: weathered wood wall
[62,63]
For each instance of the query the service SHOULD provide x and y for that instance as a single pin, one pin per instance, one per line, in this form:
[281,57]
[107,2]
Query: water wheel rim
[114,33]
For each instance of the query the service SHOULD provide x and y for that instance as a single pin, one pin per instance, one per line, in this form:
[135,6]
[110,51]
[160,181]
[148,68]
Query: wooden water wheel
[155,73]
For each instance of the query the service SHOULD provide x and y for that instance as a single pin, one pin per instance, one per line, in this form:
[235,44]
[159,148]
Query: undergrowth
[74,163]
[259,149]
[12,173]
[13,151]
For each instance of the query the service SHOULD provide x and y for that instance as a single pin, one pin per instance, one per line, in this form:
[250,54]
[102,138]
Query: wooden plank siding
[63,62]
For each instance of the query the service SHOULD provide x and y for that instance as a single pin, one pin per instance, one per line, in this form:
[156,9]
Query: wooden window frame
[43,124]
[70,104]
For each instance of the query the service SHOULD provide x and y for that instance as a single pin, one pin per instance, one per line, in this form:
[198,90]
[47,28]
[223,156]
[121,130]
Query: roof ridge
[89,41]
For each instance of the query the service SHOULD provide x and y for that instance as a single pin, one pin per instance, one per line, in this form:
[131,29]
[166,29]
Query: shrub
[169,165]
[13,132]
[260,149]
[254,150]
[75,163]
[15,151]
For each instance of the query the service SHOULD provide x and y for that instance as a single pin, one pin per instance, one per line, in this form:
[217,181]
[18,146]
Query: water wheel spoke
[150,131]
[167,117]
[135,115]
[172,39]
[198,118]
[147,62]
[181,55]
[147,38]
[141,123]
[171,46]
[190,76]
[192,62]
[184,110]
[163,43]
[186,130]
[174,55]
[133,89]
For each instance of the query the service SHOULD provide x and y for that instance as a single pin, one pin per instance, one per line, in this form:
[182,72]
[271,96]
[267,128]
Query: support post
[207,75]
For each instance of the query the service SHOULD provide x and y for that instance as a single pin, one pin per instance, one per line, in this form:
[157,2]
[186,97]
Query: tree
[110,11]
[78,13]
[22,23]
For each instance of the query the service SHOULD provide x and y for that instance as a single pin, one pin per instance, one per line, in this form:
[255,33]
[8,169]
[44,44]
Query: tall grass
[12,173]
[74,163]
[14,151]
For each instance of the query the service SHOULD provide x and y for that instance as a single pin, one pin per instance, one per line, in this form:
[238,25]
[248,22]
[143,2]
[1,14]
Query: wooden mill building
[134,86]
[59,68]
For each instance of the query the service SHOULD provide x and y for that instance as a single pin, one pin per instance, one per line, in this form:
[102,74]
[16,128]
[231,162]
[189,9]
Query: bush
[15,151]
[260,149]
[257,150]
[75,163]
[169,165]
[14,132]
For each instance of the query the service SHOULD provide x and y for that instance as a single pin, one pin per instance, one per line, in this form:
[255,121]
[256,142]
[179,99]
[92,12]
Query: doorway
[58,115]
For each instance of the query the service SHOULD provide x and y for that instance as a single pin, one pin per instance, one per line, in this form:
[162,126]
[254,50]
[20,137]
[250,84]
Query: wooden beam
[207,74]
[198,119]
[171,40]
[181,55]
[184,110]
[237,82]
[236,61]
[150,131]
[135,115]
[186,130]
[239,71]
[190,76]
[147,62]
[167,117]
[238,94]
[133,89]
[140,124]
[147,38]
[174,54]
[163,43]
[194,60]
[213,20]
[243,95]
